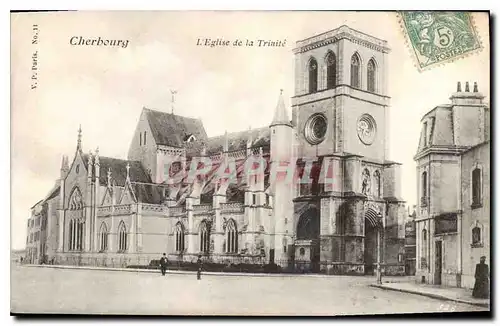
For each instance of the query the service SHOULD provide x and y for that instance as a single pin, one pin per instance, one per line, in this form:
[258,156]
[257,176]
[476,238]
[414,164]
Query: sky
[230,88]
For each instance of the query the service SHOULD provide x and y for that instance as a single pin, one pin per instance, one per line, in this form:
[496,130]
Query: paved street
[113,292]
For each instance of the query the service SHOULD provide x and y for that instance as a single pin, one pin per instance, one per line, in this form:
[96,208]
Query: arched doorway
[373,226]
[307,244]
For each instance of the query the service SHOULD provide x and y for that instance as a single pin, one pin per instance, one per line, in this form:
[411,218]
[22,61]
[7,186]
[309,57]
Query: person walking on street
[482,284]
[163,264]
[200,265]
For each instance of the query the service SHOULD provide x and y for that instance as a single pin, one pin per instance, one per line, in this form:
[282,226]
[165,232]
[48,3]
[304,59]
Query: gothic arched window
[71,235]
[476,186]
[204,237]
[313,75]
[371,76]
[76,233]
[80,236]
[231,237]
[122,237]
[355,71]
[331,70]
[179,237]
[103,238]
[144,138]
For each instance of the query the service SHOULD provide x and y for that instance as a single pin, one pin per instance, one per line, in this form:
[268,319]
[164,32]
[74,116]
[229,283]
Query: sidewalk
[442,293]
[157,271]
[138,270]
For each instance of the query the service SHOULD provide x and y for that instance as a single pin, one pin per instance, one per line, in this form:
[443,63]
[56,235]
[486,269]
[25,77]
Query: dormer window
[425,133]
[190,138]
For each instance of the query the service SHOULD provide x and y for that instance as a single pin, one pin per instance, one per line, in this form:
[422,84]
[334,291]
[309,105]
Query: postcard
[250,163]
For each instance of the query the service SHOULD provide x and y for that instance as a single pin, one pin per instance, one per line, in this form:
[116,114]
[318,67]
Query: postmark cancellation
[436,38]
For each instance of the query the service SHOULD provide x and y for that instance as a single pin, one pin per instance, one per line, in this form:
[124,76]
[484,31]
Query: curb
[134,270]
[431,295]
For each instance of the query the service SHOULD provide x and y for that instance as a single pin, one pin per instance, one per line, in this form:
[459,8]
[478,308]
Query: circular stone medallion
[315,129]
[367,129]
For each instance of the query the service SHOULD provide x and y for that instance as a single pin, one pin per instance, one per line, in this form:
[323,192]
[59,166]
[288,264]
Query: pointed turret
[96,158]
[280,155]
[250,138]
[64,167]
[128,172]
[249,141]
[79,141]
[280,114]
[109,177]
[89,164]
[97,167]
[226,142]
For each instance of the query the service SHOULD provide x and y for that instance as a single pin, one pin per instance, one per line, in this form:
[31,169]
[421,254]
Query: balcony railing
[203,208]
[232,208]
[103,211]
[177,210]
[123,209]
[152,208]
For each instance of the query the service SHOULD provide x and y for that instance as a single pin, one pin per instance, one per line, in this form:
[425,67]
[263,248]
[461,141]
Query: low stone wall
[219,263]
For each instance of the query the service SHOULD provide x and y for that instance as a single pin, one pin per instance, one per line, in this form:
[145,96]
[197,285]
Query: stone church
[108,211]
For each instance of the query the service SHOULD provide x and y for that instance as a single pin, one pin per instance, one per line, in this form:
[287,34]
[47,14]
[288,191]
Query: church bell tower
[340,103]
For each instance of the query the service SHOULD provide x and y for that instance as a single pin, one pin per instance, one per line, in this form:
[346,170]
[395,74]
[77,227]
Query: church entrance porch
[307,250]
[373,233]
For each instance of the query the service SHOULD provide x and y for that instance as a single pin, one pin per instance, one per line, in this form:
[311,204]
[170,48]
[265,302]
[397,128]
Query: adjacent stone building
[410,243]
[128,212]
[453,167]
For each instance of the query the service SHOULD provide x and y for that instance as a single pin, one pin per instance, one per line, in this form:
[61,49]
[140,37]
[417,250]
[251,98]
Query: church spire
[109,177]
[128,171]
[226,142]
[79,142]
[280,114]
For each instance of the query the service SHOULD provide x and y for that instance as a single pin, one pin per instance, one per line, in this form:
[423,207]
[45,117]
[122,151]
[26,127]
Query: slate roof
[260,137]
[53,193]
[172,130]
[119,170]
[148,193]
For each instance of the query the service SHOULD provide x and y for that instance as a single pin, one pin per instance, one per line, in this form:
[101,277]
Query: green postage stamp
[437,37]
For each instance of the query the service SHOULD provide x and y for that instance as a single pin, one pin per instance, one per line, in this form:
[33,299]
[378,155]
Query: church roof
[173,130]
[148,193]
[53,193]
[119,170]
[258,137]
[238,140]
